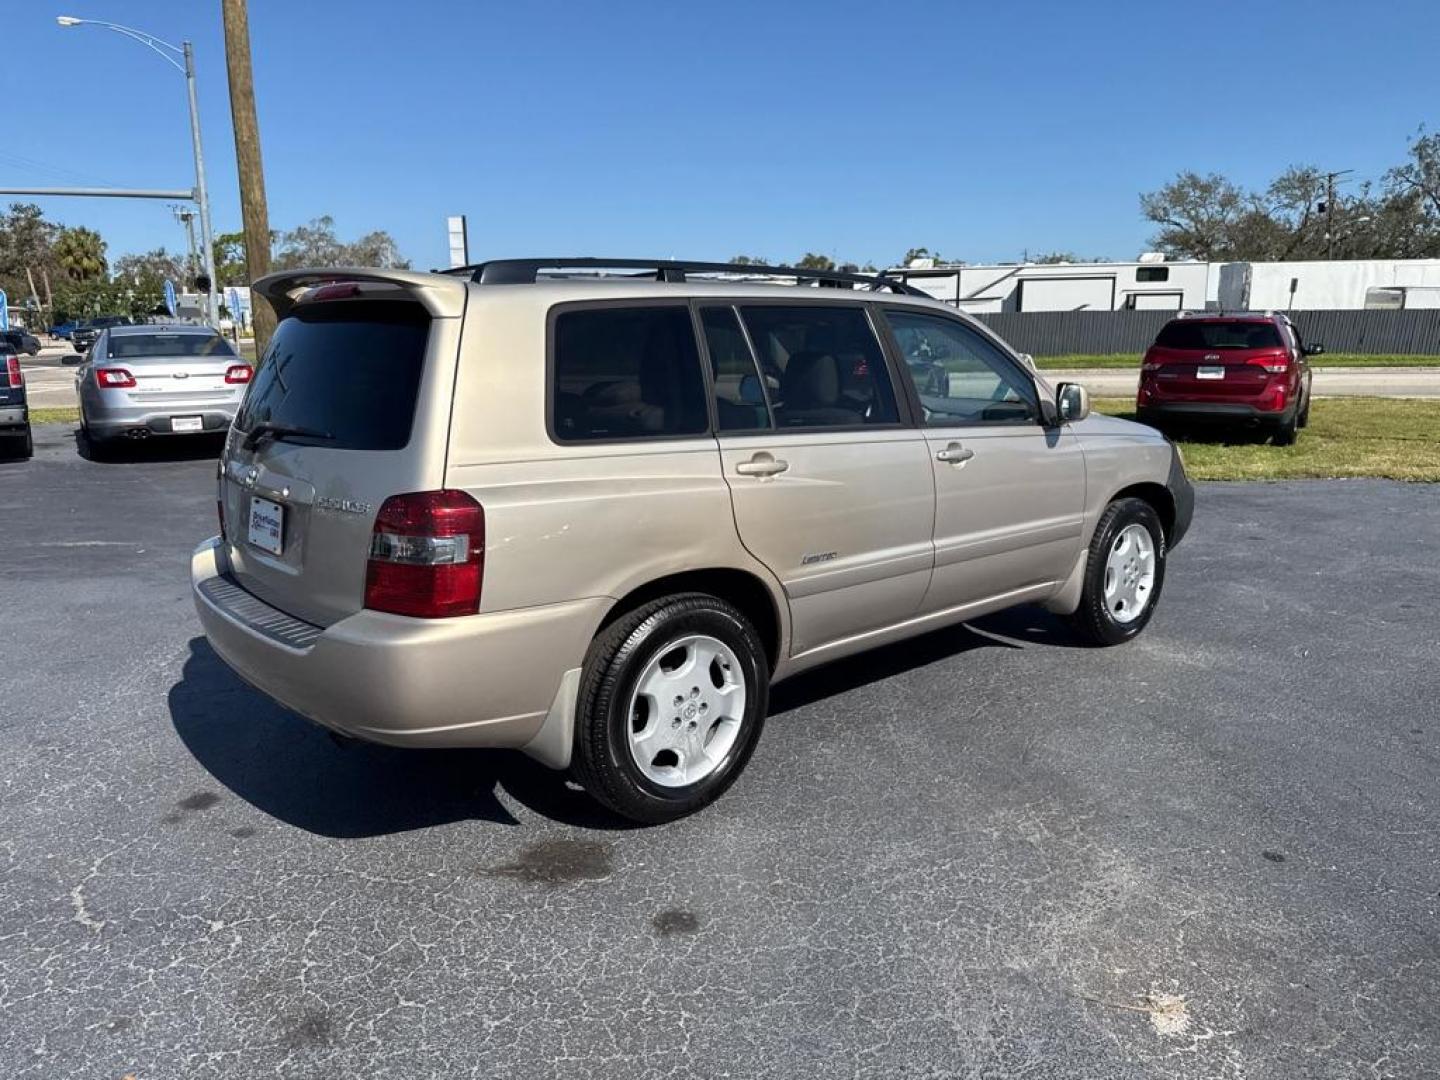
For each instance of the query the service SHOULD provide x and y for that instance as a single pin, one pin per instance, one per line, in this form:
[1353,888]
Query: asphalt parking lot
[1212,853]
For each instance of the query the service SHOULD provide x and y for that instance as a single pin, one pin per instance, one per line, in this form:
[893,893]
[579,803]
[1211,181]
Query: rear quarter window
[348,369]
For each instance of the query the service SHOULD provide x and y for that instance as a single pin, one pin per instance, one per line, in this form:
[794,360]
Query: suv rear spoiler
[443,297]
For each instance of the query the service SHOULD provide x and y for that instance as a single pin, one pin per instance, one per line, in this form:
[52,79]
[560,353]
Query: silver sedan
[138,381]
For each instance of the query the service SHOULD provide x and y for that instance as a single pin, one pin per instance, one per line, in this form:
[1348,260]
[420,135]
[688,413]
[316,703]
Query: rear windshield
[350,370]
[1196,334]
[137,346]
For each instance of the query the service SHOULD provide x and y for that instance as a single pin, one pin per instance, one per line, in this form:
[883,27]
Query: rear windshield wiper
[282,431]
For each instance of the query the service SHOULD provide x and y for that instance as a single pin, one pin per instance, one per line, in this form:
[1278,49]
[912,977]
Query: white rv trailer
[1148,284]
[1336,284]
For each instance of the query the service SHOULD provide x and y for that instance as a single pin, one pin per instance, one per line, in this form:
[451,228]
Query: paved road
[1329,382]
[1210,854]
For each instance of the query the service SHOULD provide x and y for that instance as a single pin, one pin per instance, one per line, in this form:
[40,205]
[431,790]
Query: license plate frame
[266,525]
[1210,371]
[181,425]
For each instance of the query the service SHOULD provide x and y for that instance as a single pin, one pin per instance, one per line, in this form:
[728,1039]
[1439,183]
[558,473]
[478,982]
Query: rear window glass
[1195,334]
[137,346]
[350,370]
[627,373]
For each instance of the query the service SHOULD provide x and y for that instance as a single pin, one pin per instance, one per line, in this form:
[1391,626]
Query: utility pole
[247,163]
[1330,210]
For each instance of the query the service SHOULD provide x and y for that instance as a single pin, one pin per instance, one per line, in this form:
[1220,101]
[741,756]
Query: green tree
[1420,176]
[27,240]
[80,253]
[230,259]
[920,253]
[1210,218]
[315,244]
[813,261]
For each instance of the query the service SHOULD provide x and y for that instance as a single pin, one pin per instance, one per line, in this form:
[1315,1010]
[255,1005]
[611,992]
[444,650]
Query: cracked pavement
[985,853]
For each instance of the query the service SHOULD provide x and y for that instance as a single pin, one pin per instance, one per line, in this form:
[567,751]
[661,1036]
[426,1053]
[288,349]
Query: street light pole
[200,194]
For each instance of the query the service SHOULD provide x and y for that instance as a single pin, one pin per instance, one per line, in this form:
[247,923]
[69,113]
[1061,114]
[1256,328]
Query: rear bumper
[14,418]
[1210,411]
[108,423]
[482,680]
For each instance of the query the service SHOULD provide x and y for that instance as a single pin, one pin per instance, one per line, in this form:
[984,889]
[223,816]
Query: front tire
[1124,573]
[671,704]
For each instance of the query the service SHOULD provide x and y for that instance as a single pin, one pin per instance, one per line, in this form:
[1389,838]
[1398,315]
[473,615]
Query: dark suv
[85,333]
[15,438]
[1244,368]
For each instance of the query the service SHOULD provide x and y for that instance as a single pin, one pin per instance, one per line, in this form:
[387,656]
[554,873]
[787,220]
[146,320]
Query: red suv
[1244,368]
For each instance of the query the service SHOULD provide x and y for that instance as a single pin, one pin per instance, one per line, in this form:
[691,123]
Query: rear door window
[350,370]
[627,373]
[821,365]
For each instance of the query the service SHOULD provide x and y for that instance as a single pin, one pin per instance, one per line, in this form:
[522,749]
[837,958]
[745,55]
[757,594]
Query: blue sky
[710,129]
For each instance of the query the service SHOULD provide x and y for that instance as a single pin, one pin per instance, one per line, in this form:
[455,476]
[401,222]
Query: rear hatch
[1214,359]
[349,405]
[174,366]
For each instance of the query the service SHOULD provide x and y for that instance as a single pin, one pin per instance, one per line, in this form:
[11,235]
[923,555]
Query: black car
[15,440]
[87,330]
[19,341]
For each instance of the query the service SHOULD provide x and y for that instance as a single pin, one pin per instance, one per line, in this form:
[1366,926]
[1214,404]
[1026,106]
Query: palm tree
[80,253]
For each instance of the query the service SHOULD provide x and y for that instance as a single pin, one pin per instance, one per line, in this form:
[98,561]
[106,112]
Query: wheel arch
[1160,499]
[746,590]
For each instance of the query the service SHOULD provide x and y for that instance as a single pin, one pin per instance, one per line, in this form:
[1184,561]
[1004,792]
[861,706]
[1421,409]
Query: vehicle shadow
[297,772]
[157,448]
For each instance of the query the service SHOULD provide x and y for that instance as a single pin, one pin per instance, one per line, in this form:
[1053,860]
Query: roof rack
[526,271]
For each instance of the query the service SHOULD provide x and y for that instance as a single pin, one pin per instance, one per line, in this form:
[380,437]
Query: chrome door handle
[762,465]
[955,454]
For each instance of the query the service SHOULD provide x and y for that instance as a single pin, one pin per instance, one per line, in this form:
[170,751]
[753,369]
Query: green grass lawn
[68,415]
[1327,360]
[1395,438]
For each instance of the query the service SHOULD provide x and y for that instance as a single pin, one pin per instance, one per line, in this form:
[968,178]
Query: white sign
[459,241]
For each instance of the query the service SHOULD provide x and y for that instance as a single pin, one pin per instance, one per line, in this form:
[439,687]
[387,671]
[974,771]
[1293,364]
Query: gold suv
[593,509]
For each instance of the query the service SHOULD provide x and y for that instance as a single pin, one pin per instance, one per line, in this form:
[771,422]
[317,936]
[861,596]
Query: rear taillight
[237,373]
[13,372]
[427,555]
[220,497]
[114,377]
[1275,363]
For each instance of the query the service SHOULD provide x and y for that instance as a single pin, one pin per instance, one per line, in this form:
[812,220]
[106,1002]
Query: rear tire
[1122,584]
[619,702]
[21,447]
[1287,431]
[1303,420]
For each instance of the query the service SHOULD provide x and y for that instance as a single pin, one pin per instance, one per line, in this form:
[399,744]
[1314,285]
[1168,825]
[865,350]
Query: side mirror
[72,360]
[1072,401]
[1314,350]
[1028,360]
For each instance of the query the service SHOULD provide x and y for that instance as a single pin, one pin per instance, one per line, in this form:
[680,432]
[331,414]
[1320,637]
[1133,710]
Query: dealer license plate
[267,525]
